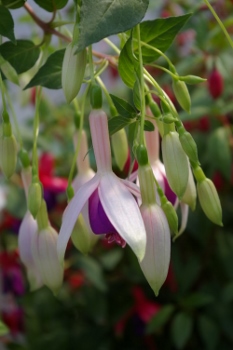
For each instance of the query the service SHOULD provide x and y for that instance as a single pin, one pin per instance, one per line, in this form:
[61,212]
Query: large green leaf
[181,329]
[51,5]
[117,123]
[13,4]
[209,332]
[160,34]
[123,107]
[6,24]
[160,319]
[101,18]
[128,64]
[49,75]
[21,56]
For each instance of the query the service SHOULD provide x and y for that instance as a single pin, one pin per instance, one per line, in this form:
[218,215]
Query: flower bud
[155,109]
[8,155]
[209,201]
[44,249]
[190,194]
[170,213]
[157,257]
[73,70]
[182,94]
[168,118]
[96,96]
[120,148]
[215,84]
[142,156]
[191,79]
[188,144]
[82,236]
[34,198]
[175,162]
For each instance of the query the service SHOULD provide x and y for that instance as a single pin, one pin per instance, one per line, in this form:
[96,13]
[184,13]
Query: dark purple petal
[99,221]
[171,196]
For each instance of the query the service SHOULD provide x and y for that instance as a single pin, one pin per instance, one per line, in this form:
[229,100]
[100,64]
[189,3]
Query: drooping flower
[115,195]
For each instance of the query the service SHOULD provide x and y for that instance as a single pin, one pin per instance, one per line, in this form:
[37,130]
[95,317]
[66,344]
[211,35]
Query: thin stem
[113,46]
[142,140]
[219,22]
[165,70]
[36,132]
[2,87]
[111,104]
[91,64]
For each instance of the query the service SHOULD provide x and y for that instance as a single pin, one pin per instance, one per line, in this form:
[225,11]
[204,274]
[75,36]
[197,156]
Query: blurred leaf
[93,272]
[209,332]
[181,329]
[21,56]
[111,258]
[109,17]
[49,75]
[148,126]
[124,108]
[51,5]
[196,113]
[117,123]
[128,64]
[6,24]
[13,4]
[196,300]
[160,34]
[227,293]
[218,148]
[160,319]
[3,329]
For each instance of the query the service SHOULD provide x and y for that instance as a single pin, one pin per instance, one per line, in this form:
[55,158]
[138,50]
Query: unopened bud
[155,109]
[24,158]
[82,236]
[73,70]
[120,148]
[215,84]
[168,118]
[190,195]
[188,144]
[192,79]
[209,201]
[142,156]
[34,198]
[171,215]
[96,96]
[8,155]
[175,162]
[182,94]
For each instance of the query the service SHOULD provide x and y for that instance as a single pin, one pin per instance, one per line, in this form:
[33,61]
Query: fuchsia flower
[113,209]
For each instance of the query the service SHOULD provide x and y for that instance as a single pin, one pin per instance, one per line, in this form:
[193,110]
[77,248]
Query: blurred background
[105,302]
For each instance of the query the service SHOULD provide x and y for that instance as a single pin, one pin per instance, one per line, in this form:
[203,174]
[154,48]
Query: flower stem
[142,140]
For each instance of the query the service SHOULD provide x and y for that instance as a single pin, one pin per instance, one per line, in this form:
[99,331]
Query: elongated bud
[188,144]
[34,197]
[175,162]
[182,94]
[73,70]
[82,236]
[190,195]
[147,184]
[24,158]
[120,148]
[169,211]
[157,257]
[215,84]
[168,118]
[142,156]
[8,155]
[192,79]
[8,71]
[96,96]
[154,109]
[209,201]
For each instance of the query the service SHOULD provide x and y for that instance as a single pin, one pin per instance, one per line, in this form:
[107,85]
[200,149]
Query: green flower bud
[8,155]
[73,70]
[120,148]
[192,79]
[24,158]
[168,118]
[209,201]
[142,156]
[182,94]
[70,193]
[96,96]
[147,184]
[171,215]
[34,198]
[188,144]
[190,195]
[175,162]
[155,109]
[82,237]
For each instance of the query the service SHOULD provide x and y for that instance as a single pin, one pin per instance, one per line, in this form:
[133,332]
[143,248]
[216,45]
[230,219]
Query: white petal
[133,188]
[28,229]
[157,257]
[184,217]
[72,212]
[123,212]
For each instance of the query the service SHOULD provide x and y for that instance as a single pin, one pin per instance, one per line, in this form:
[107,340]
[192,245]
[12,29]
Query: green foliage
[181,329]
[51,5]
[124,108]
[6,24]
[111,17]
[21,56]
[3,329]
[128,64]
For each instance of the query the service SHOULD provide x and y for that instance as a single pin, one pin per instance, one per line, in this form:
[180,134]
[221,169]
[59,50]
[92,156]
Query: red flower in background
[215,84]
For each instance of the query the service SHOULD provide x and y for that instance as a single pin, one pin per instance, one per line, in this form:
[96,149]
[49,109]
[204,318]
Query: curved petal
[72,212]
[133,188]
[123,212]
[184,217]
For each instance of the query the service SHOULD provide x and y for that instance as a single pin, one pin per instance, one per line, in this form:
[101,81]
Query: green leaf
[6,24]
[209,332]
[13,4]
[227,293]
[117,123]
[51,5]
[21,56]
[3,329]
[181,329]
[137,95]
[160,319]
[124,108]
[93,272]
[196,300]
[49,75]
[99,19]
[218,148]
[128,64]
[160,34]
[111,258]
[148,126]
